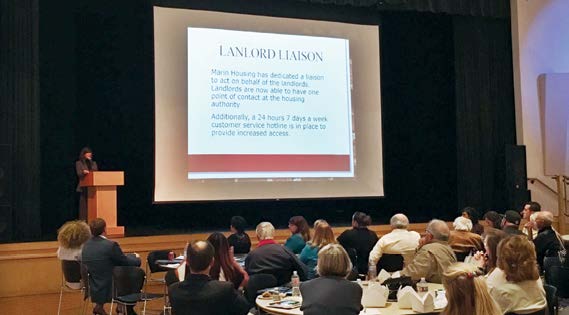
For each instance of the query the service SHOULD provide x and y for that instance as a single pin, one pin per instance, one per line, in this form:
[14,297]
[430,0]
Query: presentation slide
[258,107]
[276,106]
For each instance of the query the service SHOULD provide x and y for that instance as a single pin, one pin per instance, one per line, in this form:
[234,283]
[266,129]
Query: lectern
[102,198]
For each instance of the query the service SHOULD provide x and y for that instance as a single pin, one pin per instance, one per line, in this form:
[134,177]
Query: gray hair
[546,216]
[462,224]
[265,231]
[439,229]
[399,221]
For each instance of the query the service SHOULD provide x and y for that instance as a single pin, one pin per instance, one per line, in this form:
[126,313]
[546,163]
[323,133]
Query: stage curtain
[485,121]
[486,8]
[19,122]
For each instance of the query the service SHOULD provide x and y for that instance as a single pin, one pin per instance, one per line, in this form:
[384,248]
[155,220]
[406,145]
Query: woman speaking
[84,166]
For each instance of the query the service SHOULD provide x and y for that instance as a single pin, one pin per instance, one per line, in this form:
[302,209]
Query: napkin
[384,275]
[374,295]
[423,304]
[404,297]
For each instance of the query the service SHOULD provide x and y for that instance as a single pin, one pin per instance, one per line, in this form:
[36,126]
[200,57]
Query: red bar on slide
[267,162]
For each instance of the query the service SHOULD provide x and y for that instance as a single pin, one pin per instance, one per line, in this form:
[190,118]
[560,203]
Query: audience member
[523,293]
[398,241]
[488,261]
[323,235]
[433,256]
[239,240]
[225,268]
[511,223]
[272,258]
[300,234]
[71,237]
[461,240]
[529,213]
[100,256]
[331,293]
[547,242]
[472,214]
[467,292]
[360,239]
[199,294]
[493,219]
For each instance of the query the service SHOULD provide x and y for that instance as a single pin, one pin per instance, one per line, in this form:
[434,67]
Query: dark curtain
[484,109]
[19,121]
[487,8]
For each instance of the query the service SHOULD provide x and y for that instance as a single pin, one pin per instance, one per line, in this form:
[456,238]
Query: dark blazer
[546,245]
[80,166]
[100,256]
[200,295]
[276,260]
[362,240]
[331,296]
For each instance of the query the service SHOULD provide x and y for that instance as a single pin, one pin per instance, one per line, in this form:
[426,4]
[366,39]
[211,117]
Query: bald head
[543,219]
[438,229]
[399,221]
[200,256]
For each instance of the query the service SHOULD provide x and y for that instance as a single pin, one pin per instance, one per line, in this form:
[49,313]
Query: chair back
[390,262]
[155,255]
[551,296]
[258,282]
[71,270]
[558,276]
[127,280]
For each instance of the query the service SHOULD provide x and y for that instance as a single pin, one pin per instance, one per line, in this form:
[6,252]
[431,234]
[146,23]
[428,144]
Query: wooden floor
[72,303]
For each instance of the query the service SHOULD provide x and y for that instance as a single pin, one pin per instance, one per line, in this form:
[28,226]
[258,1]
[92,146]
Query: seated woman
[331,293]
[239,240]
[323,235]
[225,268]
[300,234]
[487,261]
[466,292]
[472,214]
[71,237]
[359,239]
[523,292]
[462,241]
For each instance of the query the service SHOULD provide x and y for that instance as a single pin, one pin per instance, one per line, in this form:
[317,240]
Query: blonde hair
[466,292]
[517,258]
[333,260]
[323,235]
[265,231]
[73,234]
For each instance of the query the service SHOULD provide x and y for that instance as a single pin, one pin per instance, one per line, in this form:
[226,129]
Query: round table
[391,308]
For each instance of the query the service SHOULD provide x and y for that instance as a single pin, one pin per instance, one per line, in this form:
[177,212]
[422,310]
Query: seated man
[547,243]
[100,256]
[398,241]
[511,223]
[461,240]
[272,258]
[529,214]
[433,256]
[198,294]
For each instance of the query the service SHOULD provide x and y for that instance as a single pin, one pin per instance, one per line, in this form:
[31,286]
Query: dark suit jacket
[80,166]
[331,296]
[199,295]
[100,256]
[276,260]
[546,245]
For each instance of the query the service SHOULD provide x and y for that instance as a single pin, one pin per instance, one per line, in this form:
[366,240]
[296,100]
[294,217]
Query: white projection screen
[256,107]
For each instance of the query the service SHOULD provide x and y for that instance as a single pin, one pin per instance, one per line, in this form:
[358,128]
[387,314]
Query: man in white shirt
[529,213]
[398,241]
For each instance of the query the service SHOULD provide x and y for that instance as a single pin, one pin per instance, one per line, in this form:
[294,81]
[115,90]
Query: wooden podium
[102,198]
